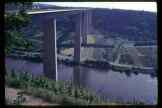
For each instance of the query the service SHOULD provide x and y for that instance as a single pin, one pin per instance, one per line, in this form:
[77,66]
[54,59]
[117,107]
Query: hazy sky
[146,6]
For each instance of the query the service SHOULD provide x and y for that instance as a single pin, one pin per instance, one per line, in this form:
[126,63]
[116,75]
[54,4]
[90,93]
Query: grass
[63,93]
[59,92]
[19,99]
[49,96]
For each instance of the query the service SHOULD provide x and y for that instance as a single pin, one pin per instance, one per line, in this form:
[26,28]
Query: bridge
[48,23]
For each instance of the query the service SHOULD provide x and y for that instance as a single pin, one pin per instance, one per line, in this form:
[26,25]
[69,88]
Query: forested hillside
[126,24]
[132,25]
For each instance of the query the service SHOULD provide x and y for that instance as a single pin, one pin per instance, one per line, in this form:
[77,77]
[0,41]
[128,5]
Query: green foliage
[14,22]
[50,96]
[58,92]
[19,99]
[25,80]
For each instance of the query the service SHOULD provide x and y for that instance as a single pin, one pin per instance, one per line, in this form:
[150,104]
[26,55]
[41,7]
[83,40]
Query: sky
[145,6]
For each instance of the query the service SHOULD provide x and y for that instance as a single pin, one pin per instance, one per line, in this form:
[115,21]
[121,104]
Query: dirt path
[30,100]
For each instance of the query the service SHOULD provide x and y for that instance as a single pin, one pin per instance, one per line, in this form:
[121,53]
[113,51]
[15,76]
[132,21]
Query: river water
[114,86]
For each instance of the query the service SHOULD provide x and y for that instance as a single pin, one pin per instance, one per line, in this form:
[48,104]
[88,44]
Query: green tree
[14,21]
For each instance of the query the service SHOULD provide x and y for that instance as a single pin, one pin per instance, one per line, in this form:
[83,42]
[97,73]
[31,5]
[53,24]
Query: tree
[14,21]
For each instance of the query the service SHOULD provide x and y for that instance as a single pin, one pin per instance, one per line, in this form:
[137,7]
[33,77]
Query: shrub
[19,99]
[47,88]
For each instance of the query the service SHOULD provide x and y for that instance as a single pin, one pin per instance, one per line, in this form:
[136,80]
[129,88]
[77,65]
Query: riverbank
[101,65]
[133,87]
[50,91]
[13,96]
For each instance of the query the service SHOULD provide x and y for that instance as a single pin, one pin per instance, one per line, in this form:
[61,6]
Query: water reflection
[84,77]
[121,86]
[128,74]
[76,75]
[80,76]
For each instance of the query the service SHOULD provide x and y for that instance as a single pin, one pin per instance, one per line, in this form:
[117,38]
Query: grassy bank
[57,92]
[52,91]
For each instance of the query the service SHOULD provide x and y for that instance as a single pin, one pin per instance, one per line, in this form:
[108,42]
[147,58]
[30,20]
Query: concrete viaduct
[47,21]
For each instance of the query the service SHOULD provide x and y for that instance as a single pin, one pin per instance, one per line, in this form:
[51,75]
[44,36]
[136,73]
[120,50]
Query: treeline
[128,24]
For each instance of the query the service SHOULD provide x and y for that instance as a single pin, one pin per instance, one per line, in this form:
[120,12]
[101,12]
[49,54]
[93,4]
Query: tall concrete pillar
[76,76]
[50,49]
[89,21]
[77,48]
[77,38]
[85,27]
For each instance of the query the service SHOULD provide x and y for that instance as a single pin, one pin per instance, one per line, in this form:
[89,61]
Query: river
[114,86]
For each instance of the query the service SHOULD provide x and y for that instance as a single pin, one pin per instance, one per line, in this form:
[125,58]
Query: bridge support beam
[77,38]
[77,47]
[87,24]
[85,27]
[50,49]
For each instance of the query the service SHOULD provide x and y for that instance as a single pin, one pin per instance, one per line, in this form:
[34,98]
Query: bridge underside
[48,25]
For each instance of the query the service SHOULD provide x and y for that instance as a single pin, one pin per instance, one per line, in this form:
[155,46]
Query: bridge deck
[53,11]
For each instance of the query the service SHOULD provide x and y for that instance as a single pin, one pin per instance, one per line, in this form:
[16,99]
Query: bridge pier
[50,49]
[77,47]
[86,25]
[50,46]
[89,21]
